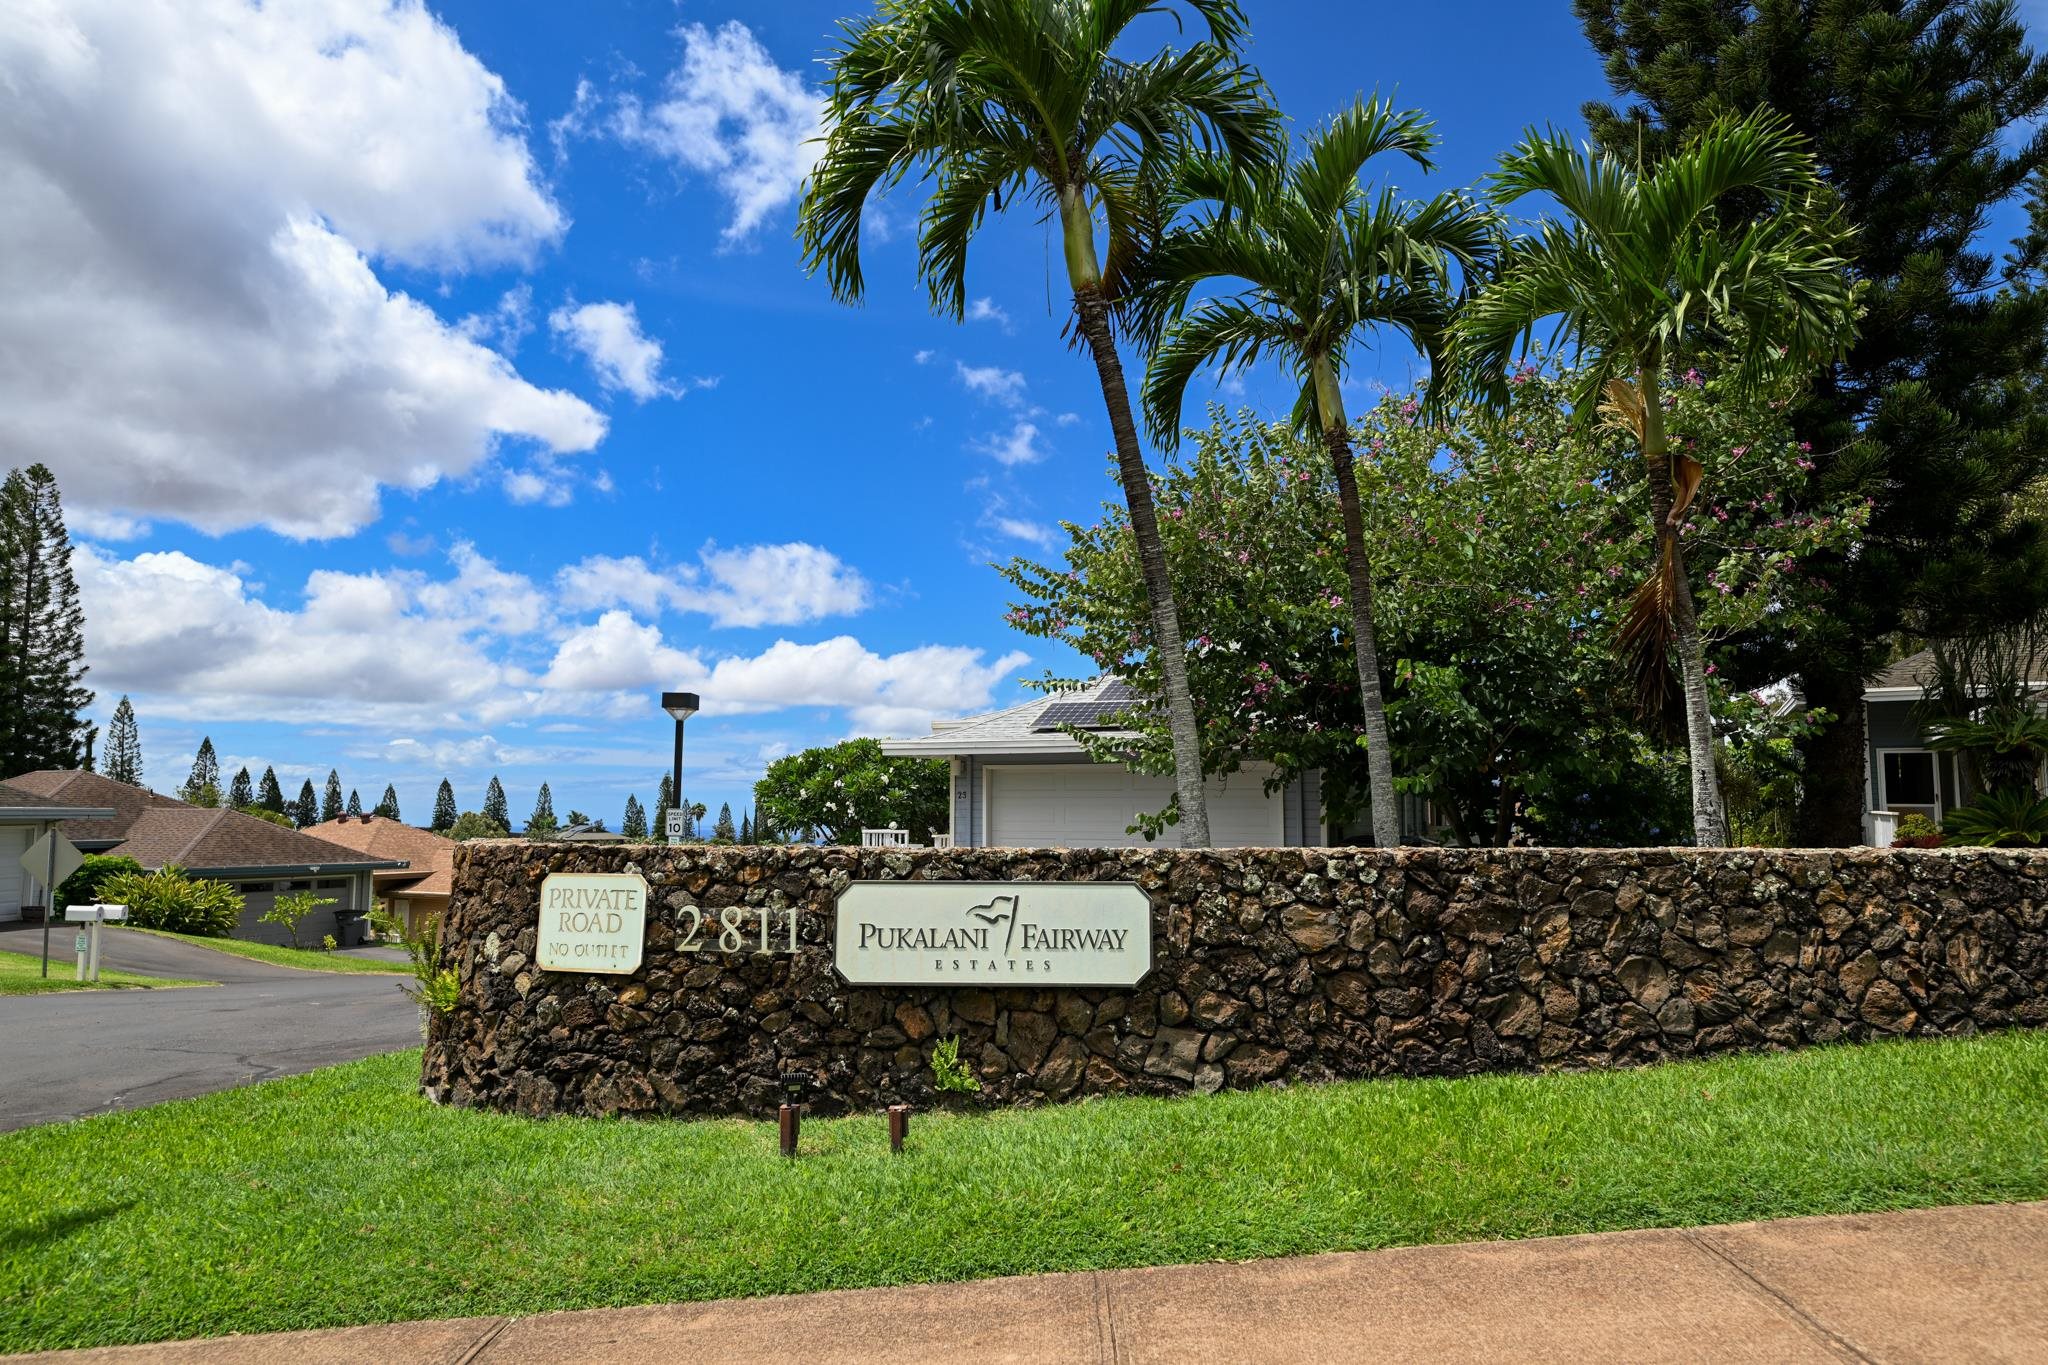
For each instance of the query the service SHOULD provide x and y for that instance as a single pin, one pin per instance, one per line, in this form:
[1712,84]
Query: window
[1908,783]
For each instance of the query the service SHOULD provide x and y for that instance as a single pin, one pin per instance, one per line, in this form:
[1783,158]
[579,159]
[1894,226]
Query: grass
[342,1197]
[305,959]
[21,974]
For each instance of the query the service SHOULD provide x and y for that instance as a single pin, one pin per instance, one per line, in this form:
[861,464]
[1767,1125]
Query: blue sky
[429,388]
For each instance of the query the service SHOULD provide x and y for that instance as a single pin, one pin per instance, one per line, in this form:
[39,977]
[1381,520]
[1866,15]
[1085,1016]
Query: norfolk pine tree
[445,813]
[123,758]
[495,810]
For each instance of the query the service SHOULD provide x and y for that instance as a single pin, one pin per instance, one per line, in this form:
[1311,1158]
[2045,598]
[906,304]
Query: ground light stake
[788,1117]
[899,1126]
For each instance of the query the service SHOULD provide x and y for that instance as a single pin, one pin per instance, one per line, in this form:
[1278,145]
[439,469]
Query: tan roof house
[414,891]
[259,859]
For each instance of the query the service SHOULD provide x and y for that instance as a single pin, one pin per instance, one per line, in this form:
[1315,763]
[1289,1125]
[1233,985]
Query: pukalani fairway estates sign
[592,922]
[993,934]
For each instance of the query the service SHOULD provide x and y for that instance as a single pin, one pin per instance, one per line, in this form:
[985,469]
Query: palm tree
[995,100]
[1641,270]
[1321,261]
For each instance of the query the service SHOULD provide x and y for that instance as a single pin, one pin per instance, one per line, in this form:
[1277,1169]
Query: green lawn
[23,975]
[307,959]
[342,1197]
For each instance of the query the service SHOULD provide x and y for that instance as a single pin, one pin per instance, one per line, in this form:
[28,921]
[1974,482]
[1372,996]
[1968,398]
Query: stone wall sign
[592,922]
[932,933]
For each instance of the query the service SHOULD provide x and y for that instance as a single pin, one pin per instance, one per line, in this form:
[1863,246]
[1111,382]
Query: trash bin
[351,928]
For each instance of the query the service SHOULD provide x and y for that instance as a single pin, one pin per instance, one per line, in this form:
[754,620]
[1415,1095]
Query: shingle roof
[1009,731]
[1916,672]
[155,830]
[432,858]
[91,789]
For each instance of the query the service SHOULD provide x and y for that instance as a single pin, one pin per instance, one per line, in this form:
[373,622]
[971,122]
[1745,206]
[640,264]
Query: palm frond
[1226,331]
[1326,178]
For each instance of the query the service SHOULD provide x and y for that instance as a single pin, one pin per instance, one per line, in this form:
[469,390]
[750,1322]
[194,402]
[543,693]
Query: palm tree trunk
[1709,817]
[1092,310]
[1379,758]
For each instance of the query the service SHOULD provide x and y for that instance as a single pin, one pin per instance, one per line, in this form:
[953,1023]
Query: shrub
[948,1071]
[327,942]
[470,825]
[2012,818]
[1917,831]
[434,983]
[83,886]
[168,899]
[287,911]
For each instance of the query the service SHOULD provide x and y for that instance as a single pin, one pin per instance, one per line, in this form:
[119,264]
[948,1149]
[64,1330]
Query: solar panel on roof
[1092,714]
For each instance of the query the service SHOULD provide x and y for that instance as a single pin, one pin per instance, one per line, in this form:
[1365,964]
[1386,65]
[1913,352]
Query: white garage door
[1088,805]
[14,841]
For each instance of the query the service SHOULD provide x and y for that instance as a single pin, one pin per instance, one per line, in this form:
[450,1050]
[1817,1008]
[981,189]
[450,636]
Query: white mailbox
[92,916]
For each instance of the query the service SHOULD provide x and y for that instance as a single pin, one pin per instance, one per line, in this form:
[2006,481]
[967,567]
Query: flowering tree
[1503,547]
[833,793]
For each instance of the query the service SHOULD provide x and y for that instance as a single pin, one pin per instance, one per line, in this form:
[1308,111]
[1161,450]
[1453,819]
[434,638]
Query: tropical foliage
[2010,818]
[830,794]
[995,101]
[1643,274]
[1314,260]
[1502,547]
[168,899]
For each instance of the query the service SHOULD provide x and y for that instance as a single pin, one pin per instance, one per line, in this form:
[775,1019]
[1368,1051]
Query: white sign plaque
[993,934]
[592,922]
[677,829]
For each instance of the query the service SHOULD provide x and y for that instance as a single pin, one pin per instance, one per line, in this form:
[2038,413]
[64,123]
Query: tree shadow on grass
[52,1226]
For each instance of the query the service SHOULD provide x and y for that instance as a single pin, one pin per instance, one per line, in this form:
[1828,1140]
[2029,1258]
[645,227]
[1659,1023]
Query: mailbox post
[92,916]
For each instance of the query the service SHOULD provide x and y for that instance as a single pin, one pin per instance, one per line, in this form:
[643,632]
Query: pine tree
[634,824]
[445,813]
[124,746]
[205,776]
[355,803]
[746,828]
[495,809]
[664,798]
[42,697]
[242,792]
[387,805]
[269,795]
[1924,119]
[723,832]
[330,802]
[306,811]
[542,822]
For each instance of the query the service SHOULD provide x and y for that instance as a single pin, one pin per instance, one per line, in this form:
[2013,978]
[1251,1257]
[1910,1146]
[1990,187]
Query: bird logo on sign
[997,910]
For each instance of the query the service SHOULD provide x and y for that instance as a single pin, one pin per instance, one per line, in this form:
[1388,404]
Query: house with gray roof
[1905,776]
[259,859]
[26,816]
[1020,779]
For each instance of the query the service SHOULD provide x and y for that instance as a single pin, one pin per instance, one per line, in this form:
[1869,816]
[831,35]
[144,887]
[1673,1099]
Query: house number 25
[773,931]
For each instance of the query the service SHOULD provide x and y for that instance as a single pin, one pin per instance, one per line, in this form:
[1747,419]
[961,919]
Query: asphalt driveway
[72,1054]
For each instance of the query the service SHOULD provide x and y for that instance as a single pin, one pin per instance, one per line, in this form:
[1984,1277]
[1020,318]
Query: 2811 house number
[773,931]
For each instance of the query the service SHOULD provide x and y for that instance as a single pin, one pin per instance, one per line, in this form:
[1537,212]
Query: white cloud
[923,357]
[1068,419]
[191,196]
[748,585]
[988,310]
[1018,446]
[992,382]
[506,325]
[608,335]
[199,640]
[1037,532]
[727,110]
[894,693]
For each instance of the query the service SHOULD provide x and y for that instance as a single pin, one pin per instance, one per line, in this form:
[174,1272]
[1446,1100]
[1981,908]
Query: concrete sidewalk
[1961,1284]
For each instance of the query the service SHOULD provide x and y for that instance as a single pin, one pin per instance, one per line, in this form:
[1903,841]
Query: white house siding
[14,886]
[1088,805]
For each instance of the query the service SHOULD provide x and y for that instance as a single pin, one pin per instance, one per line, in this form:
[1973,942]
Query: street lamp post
[681,705]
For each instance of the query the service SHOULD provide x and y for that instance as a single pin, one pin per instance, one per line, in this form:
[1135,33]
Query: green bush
[83,886]
[168,899]
[470,825]
[2012,818]
[1917,831]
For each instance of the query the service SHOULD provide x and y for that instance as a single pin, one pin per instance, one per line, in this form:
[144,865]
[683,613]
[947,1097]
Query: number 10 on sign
[772,931]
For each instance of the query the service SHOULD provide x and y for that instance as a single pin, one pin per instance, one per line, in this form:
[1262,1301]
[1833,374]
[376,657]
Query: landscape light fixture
[681,705]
